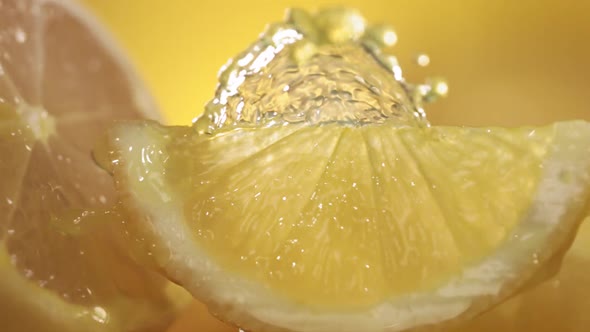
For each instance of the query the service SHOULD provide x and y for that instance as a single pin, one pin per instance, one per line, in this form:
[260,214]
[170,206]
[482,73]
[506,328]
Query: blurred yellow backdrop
[507,62]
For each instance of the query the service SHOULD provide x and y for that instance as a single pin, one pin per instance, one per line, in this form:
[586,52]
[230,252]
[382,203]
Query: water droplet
[340,25]
[20,35]
[389,38]
[535,259]
[379,36]
[100,315]
[9,201]
[439,86]
[102,199]
[423,59]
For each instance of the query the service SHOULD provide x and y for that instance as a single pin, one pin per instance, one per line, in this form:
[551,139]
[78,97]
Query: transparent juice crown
[316,69]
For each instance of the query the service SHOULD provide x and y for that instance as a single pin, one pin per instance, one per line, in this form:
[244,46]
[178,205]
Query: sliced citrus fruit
[62,82]
[561,301]
[313,195]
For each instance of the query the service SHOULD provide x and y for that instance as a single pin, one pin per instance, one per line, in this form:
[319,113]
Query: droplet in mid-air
[423,60]
[20,35]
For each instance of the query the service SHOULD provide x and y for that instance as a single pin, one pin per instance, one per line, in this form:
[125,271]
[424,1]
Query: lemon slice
[338,228]
[62,83]
[313,195]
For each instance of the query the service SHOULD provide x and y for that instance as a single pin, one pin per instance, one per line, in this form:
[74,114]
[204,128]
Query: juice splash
[316,69]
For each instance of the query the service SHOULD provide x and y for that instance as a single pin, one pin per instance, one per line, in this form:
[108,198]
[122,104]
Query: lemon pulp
[55,249]
[345,216]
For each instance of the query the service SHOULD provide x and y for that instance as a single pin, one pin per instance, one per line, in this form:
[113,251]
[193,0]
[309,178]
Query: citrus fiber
[62,82]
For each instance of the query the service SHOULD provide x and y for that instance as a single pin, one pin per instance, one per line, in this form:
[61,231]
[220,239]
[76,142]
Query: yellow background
[507,62]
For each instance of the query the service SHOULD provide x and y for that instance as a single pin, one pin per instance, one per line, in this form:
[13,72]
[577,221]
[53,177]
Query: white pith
[558,202]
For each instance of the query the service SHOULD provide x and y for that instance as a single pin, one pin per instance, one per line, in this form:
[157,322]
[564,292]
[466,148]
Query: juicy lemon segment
[349,216]
[401,226]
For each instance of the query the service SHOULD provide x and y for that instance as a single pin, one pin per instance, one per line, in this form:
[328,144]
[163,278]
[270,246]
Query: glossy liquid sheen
[351,215]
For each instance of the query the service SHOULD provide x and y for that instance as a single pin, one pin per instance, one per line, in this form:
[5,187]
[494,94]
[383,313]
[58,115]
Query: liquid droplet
[423,60]
[380,36]
[20,35]
[100,315]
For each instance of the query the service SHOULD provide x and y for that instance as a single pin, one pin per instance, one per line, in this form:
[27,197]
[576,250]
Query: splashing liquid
[318,69]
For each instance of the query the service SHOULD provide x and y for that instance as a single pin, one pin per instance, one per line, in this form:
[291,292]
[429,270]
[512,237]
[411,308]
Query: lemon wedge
[313,195]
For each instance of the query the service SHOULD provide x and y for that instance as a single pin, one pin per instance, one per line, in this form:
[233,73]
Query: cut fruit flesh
[334,227]
[313,195]
[62,83]
[561,301]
